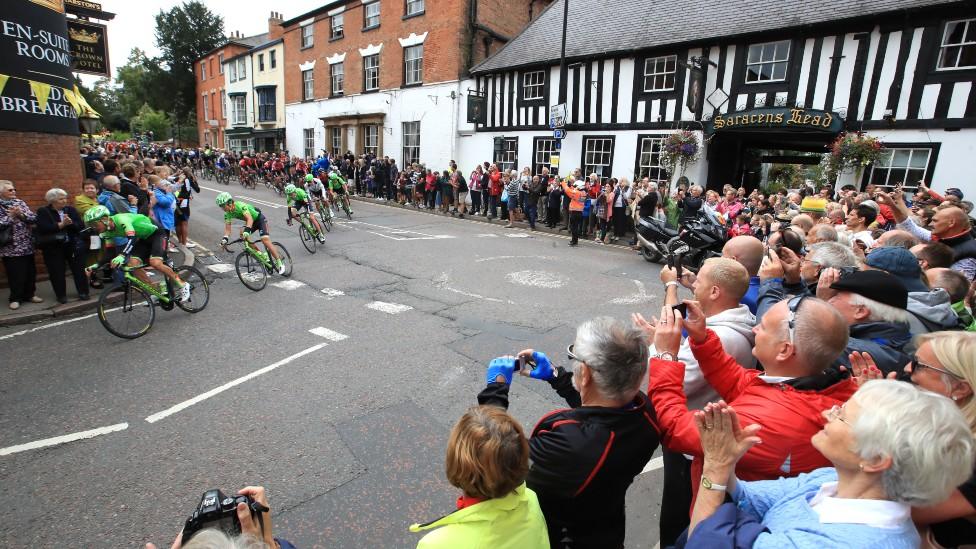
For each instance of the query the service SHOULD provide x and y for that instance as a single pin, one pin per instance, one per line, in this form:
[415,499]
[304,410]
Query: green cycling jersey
[298,195]
[129,225]
[238,212]
[336,181]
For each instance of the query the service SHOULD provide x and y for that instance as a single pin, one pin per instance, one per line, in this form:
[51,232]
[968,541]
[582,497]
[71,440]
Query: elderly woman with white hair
[58,236]
[892,446]
[585,457]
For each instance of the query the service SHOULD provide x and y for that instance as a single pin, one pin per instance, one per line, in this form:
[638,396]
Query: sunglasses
[794,306]
[918,365]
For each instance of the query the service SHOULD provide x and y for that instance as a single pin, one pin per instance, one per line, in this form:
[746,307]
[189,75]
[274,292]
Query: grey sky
[134,22]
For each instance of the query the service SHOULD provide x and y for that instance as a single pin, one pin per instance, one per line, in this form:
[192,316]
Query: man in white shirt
[857,222]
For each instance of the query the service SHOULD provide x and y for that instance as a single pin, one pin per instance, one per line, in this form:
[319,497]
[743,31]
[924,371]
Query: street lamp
[89,122]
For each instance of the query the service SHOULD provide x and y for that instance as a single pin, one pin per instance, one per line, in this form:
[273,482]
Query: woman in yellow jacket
[577,195]
[488,459]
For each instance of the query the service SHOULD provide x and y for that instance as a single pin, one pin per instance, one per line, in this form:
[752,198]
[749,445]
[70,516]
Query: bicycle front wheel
[307,240]
[326,219]
[126,311]
[252,272]
[285,257]
[199,289]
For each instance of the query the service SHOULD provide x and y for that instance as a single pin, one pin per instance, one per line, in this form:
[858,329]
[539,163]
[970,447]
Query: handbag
[504,195]
[6,235]
[51,239]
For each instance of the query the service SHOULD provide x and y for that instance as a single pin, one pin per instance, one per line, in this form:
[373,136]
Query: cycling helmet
[290,189]
[309,177]
[95,213]
[223,198]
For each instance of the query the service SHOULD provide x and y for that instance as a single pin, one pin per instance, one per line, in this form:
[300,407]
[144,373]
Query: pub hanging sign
[89,47]
[776,118]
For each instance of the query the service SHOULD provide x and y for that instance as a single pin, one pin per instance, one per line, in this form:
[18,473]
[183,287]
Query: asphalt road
[335,389]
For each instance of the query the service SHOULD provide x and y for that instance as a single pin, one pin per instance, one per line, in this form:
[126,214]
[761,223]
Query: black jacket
[583,460]
[648,204]
[963,246]
[48,219]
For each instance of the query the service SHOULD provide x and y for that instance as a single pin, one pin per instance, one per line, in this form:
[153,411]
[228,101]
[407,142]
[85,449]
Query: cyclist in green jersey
[297,200]
[145,243]
[337,187]
[254,221]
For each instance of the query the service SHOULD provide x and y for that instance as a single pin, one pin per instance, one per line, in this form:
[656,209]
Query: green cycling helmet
[309,178]
[290,189]
[95,213]
[223,198]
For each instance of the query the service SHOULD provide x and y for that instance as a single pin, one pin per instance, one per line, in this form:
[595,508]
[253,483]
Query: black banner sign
[35,62]
[89,47]
[776,118]
[477,109]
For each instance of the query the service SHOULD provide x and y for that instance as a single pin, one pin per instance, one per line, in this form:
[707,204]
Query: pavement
[335,388]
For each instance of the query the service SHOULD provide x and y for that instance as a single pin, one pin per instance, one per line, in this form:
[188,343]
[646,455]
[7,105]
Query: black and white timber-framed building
[786,75]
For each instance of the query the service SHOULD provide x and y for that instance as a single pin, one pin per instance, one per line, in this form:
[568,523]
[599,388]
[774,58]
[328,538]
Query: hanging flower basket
[853,151]
[680,149]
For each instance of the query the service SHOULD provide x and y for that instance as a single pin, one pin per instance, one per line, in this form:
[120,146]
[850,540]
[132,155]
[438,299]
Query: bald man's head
[950,222]
[747,250]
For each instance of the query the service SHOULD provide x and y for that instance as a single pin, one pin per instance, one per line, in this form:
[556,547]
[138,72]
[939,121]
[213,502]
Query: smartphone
[681,308]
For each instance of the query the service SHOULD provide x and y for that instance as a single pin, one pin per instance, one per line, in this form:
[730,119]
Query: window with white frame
[414,7]
[335,139]
[649,159]
[242,68]
[238,104]
[371,15]
[203,70]
[768,62]
[206,107]
[338,78]
[371,72]
[411,143]
[597,156]
[413,65]
[371,139]
[506,153]
[267,111]
[271,59]
[261,62]
[308,36]
[223,104]
[544,148]
[239,145]
[659,73]
[308,85]
[958,50]
[533,85]
[901,166]
[308,140]
[336,24]
[233,71]
[220,62]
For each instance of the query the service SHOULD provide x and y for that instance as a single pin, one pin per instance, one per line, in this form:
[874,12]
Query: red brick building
[379,76]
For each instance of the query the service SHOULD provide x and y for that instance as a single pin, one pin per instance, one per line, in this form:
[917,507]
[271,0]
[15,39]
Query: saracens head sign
[776,118]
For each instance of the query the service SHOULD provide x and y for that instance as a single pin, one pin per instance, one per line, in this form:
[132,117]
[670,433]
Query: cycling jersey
[129,225]
[298,197]
[315,188]
[238,212]
[336,183]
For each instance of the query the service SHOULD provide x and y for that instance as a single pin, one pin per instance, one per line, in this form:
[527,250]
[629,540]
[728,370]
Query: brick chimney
[275,30]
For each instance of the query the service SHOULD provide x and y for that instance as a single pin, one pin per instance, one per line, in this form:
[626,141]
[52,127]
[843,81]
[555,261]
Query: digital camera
[219,511]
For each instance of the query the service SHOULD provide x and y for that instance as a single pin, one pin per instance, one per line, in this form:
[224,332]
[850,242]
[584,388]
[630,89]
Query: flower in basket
[680,149]
[854,150]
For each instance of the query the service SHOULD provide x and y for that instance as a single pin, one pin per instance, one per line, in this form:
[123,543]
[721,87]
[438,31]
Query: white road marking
[487,235]
[388,308]
[537,279]
[536,257]
[442,280]
[288,284]
[248,198]
[641,297]
[54,441]
[332,293]
[221,267]
[517,235]
[400,234]
[328,334]
[231,384]
[653,465]
[52,325]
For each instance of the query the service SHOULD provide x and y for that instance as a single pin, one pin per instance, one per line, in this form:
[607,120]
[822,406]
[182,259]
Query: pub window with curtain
[649,160]
[767,62]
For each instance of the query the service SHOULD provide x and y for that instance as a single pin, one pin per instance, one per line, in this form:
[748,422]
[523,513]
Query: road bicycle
[254,266]
[223,176]
[343,201]
[307,231]
[127,309]
[325,213]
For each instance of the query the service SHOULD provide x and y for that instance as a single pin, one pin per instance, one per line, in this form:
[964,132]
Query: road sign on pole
[557,116]
[559,134]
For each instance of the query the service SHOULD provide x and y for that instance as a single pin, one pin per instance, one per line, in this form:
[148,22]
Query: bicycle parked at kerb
[254,266]
[127,309]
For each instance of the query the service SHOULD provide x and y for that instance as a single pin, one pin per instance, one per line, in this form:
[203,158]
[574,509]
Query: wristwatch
[709,485]
[665,355]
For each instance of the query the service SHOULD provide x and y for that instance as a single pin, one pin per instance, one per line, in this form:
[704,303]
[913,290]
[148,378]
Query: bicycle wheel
[286,257]
[307,239]
[199,289]
[251,272]
[347,209]
[326,219]
[126,311]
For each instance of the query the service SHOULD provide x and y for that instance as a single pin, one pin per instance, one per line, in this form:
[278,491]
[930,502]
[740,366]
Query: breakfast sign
[776,118]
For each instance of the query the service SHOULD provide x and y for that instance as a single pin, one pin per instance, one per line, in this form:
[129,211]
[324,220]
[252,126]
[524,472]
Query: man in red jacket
[796,342]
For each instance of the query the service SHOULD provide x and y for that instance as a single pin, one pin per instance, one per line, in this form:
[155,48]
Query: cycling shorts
[154,245]
[300,205]
[259,225]
[341,189]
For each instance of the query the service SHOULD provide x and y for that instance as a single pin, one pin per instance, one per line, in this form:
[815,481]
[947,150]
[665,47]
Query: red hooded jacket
[789,416]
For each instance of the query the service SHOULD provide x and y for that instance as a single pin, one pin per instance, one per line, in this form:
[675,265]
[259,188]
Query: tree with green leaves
[183,35]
